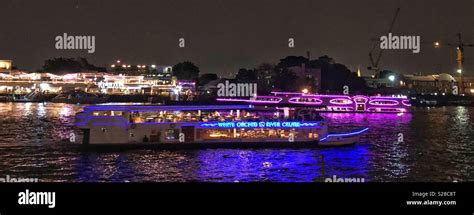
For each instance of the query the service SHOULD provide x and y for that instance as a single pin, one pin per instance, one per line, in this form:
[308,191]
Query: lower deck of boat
[201,145]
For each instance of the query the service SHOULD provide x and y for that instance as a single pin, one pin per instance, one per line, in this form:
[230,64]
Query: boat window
[194,116]
[172,134]
[258,133]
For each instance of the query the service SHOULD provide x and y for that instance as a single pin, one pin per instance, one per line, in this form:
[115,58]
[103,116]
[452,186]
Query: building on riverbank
[442,83]
[5,66]
[21,82]
[437,84]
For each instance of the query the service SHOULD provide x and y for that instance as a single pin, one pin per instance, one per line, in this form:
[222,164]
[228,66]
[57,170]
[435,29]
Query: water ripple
[437,145]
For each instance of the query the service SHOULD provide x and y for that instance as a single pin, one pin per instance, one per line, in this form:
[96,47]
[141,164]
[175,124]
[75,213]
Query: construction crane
[460,45]
[375,62]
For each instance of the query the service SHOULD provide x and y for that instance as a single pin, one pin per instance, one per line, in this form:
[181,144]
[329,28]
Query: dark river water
[438,145]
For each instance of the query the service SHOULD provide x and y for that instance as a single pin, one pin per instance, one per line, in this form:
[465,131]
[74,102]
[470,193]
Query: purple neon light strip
[406,103]
[310,95]
[348,108]
[317,102]
[326,96]
[287,93]
[365,98]
[249,101]
[375,97]
[165,107]
[391,110]
[395,103]
[387,97]
[306,103]
[332,101]
[158,107]
[269,97]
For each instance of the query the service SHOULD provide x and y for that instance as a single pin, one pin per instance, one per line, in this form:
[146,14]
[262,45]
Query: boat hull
[80,100]
[342,139]
[340,142]
[200,145]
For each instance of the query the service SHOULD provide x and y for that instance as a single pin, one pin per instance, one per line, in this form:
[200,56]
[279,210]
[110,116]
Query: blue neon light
[271,124]
[275,124]
[344,134]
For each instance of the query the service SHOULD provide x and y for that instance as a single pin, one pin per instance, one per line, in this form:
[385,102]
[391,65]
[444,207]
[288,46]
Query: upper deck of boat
[148,108]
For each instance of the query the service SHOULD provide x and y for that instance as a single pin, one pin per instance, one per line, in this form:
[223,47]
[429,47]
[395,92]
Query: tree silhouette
[69,65]
[186,71]
[285,80]
[206,78]
[246,75]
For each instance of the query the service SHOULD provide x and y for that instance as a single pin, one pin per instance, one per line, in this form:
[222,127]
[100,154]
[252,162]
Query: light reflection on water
[437,146]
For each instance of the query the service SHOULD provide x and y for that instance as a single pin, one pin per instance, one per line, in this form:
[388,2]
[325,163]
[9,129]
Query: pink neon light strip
[317,102]
[395,103]
[326,96]
[392,110]
[250,101]
[287,93]
[345,108]
[333,101]
[365,98]
[406,103]
[387,97]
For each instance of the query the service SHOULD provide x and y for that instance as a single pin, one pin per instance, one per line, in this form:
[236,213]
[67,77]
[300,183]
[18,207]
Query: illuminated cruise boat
[206,126]
[332,103]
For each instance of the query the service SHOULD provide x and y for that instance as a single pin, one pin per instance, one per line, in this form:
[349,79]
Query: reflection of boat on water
[426,102]
[30,97]
[204,126]
[79,97]
[461,102]
[5,99]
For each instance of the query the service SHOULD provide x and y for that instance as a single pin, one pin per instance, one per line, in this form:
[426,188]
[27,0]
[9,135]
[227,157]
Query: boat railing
[83,119]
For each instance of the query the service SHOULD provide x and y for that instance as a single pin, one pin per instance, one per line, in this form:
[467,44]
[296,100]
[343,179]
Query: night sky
[225,35]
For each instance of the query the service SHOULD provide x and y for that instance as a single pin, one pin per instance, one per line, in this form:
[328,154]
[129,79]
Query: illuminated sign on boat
[259,124]
[110,85]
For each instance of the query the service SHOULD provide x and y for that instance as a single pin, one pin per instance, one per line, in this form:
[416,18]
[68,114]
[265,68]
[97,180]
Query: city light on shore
[391,78]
